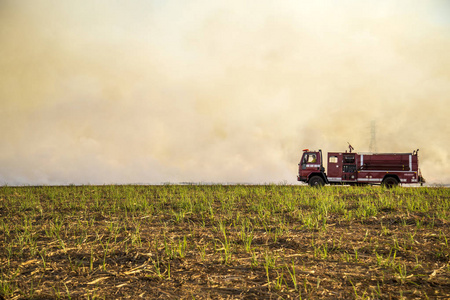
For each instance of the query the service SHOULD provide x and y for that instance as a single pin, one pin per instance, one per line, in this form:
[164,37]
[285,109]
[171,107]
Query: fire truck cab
[388,169]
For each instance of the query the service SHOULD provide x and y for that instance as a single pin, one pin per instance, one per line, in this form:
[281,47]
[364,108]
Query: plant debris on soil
[224,242]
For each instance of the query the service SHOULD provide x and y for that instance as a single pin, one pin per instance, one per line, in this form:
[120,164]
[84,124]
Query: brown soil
[133,255]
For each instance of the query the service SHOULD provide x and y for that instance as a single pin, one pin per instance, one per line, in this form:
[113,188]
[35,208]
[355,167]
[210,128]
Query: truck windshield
[309,158]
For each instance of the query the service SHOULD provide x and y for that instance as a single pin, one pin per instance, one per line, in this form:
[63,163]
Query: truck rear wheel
[316,181]
[390,182]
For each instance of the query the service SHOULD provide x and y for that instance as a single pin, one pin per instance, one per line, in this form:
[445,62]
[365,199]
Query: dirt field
[224,242]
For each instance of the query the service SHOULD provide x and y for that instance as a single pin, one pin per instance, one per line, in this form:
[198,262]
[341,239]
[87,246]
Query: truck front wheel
[316,181]
[390,182]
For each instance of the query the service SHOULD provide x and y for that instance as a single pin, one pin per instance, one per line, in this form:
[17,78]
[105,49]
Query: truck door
[349,167]
[334,170]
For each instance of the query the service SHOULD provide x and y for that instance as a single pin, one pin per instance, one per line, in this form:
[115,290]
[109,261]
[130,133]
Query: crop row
[259,241]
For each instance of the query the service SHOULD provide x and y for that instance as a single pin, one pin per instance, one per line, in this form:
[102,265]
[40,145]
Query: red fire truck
[388,169]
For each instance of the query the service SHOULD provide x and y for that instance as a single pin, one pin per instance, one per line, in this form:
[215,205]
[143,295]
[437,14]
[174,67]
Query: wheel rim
[390,182]
[316,182]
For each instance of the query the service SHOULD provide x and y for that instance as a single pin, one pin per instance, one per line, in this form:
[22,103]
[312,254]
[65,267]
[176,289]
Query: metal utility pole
[373,137]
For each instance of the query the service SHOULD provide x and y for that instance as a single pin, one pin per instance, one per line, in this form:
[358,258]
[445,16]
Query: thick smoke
[217,91]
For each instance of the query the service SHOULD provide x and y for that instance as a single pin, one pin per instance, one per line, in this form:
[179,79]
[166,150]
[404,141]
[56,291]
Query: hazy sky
[217,91]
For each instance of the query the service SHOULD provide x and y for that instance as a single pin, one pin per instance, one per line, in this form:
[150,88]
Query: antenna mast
[373,137]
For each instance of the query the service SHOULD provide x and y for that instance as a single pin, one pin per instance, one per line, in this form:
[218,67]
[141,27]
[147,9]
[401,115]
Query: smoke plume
[217,91]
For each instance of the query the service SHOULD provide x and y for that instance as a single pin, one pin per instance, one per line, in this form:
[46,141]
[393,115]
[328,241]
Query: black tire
[316,181]
[390,182]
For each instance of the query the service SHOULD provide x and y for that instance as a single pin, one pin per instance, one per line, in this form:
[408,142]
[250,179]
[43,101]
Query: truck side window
[312,158]
[333,159]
